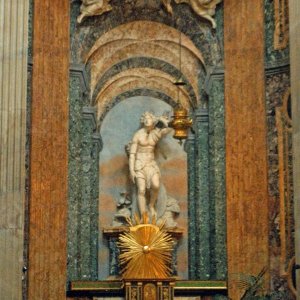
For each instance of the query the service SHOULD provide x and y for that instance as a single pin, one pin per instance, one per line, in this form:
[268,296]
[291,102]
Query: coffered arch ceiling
[140,78]
[149,40]
[142,62]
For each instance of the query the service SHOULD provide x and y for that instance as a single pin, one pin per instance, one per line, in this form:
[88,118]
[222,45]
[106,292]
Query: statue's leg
[141,189]
[155,182]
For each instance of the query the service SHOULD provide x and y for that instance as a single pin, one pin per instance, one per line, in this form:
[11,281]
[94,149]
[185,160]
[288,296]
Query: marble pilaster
[13,89]
[202,201]
[217,188]
[94,235]
[49,151]
[246,149]
[294,12]
[78,99]
[191,159]
[86,199]
[85,145]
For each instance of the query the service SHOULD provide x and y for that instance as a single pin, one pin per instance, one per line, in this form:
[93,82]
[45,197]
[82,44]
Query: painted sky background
[124,120]
[117,130]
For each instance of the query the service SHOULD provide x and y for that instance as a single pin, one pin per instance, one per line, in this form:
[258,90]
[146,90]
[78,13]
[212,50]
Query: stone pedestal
[167,287]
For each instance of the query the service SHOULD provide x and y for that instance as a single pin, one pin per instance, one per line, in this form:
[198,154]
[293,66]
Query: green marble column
[217,176]
[86,202]
[97,147]
[77,100]
[85,145]
[191,164]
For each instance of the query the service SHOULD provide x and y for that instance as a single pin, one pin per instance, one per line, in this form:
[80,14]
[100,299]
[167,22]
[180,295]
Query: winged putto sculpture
[91,8]
[204,8]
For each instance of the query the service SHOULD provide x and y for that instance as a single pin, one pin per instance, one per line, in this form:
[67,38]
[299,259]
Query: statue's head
[148,119]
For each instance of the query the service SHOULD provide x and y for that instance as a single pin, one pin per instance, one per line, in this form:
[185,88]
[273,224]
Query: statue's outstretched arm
[165,131]
[165,122]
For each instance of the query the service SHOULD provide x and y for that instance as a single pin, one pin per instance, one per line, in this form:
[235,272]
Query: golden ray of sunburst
[146,251]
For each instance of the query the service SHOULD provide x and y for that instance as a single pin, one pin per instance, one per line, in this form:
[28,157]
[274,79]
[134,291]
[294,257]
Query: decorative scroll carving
[284,127]
[281,33]
[204,8]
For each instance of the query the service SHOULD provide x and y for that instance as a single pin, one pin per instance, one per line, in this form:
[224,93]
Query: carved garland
[204,8]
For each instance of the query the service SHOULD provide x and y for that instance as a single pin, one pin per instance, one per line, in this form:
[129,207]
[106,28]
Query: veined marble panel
[49,151]
[246,149]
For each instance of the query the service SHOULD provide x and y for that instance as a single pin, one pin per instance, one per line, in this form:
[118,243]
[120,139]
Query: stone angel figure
[90,8]
[204,8]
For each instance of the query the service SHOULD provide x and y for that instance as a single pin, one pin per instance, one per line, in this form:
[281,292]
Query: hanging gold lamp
[181,123]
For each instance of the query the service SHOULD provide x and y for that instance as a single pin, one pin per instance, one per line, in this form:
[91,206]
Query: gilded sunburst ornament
[146,251]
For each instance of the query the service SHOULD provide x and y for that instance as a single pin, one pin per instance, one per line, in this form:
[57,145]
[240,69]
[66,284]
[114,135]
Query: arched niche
[120,63]
[205,160]
[141,78]
[117,129]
